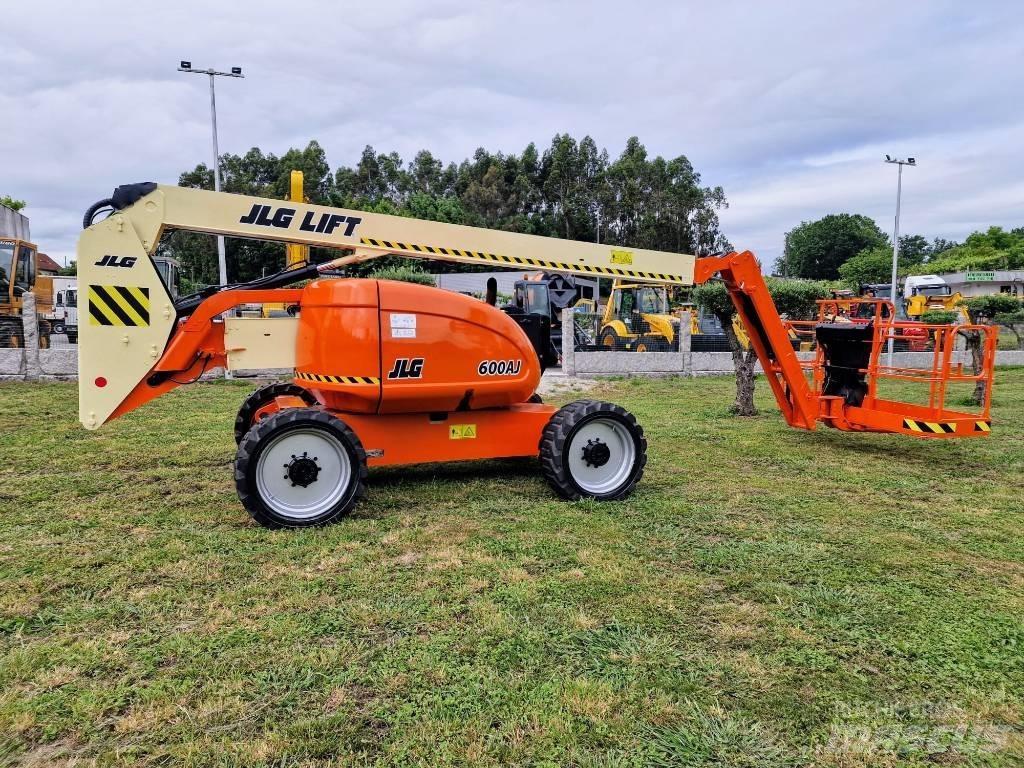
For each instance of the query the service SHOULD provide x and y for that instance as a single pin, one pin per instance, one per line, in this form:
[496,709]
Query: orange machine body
[376,346]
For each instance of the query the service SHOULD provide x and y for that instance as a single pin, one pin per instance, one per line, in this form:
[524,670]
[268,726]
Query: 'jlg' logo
[282,218]
[117,261]
[407,368]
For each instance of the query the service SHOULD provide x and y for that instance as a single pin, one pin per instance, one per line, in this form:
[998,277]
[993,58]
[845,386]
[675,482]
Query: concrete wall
[13,224]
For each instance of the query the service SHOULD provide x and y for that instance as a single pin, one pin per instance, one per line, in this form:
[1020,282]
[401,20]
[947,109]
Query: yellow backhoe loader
[19,274]
[637,318]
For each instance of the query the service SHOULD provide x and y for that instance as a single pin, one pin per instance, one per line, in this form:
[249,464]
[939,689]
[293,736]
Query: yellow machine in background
[637,318]
[19,274]
[295,255]
[930,293]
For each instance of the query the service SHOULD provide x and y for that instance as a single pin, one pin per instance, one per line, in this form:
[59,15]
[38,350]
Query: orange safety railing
[942,342]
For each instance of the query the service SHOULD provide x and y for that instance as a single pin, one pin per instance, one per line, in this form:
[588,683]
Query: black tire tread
[247,452]
[557,432]
[260,397]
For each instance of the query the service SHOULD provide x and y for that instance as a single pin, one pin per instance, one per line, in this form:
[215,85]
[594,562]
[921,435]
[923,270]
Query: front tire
[299,468]
[594,450]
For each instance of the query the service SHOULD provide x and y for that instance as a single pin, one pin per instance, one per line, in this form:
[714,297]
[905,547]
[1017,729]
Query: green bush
[797,299]
[940,317]
[404,275]
[990,307]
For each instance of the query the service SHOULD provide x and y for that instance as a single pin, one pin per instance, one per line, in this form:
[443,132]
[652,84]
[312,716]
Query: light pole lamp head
[236,70]
[186,65]
[911,161]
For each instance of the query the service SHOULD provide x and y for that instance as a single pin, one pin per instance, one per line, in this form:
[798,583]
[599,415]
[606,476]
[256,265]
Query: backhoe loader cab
[389,373]
[637,318]
[19,274]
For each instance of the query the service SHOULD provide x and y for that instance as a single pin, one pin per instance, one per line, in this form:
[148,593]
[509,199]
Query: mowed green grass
[768,597]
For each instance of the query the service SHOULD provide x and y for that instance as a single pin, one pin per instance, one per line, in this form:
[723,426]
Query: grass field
[768,597]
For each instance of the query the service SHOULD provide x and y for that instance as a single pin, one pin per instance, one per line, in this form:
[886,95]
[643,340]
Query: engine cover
[378,346]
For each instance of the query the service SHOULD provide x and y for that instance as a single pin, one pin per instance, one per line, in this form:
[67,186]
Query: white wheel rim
[293,501]
[611,475]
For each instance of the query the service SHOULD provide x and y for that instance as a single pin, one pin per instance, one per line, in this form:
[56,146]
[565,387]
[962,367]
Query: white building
[986,282]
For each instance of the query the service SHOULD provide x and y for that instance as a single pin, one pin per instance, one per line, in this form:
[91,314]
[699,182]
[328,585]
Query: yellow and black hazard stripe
[940,427]
[517,261]
[324,379]
[933,427]
[126,305]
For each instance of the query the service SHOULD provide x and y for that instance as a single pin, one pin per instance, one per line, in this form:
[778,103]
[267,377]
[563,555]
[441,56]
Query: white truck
[64,315]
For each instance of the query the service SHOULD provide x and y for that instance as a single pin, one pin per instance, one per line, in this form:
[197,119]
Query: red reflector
[100,381]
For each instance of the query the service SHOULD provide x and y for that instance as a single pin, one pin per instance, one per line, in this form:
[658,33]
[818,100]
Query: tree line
[572,190]
[851,248]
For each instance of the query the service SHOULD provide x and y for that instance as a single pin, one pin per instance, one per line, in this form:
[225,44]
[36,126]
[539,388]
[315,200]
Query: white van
[64,316]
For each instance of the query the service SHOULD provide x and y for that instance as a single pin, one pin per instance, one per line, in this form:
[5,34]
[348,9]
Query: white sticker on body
[403,326]
[403,321]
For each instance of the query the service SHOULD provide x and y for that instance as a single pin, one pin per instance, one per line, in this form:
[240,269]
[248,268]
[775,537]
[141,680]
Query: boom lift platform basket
[392,373]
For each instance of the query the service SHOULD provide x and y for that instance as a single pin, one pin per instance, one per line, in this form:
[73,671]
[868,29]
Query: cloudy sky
[790,106]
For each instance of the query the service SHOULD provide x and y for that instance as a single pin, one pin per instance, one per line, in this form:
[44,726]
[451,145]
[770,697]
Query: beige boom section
[370,235]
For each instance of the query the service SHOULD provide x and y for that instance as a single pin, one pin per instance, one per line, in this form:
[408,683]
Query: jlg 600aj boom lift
[392,373]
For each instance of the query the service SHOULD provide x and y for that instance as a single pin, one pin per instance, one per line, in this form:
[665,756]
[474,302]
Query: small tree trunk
[973,339]
[743,362]
[1015,330]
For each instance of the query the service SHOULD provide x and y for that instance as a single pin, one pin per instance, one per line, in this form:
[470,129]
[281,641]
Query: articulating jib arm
[768,336]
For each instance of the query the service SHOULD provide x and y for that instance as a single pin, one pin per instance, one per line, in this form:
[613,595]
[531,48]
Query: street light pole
[896,244]
[186,66]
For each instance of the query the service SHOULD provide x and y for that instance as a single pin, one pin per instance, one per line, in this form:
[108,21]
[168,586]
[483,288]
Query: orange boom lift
[392,373]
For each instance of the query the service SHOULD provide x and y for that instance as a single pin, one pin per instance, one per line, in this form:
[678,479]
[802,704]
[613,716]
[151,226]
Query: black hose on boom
[187,305]
[95,208]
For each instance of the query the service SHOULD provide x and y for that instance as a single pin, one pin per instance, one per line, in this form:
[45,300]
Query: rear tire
[263,396]
[299,468]
[594,450]
[653,344]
